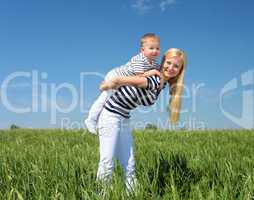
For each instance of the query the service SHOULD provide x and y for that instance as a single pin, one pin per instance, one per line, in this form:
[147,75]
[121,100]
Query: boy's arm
[136,81]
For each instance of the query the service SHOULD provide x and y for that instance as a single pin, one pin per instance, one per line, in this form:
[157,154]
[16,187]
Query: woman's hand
[152,72]
[107,85]
[115,83]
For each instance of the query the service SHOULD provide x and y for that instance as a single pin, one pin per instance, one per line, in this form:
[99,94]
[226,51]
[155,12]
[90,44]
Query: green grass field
[55,164]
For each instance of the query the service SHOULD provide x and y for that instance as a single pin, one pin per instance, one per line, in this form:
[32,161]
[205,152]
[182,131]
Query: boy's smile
[151,49]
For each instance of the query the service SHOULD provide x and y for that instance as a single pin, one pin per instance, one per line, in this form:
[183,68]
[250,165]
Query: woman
[114,130]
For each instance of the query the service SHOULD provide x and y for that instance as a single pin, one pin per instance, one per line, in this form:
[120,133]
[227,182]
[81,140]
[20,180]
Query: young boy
[138,65]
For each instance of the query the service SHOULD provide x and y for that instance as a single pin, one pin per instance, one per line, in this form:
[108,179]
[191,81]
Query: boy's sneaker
[91,125]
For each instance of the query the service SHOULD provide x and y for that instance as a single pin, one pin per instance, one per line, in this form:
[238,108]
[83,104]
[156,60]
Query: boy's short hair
[148,36]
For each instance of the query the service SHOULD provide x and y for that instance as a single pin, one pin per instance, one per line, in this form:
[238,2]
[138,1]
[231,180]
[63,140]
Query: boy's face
[151,48]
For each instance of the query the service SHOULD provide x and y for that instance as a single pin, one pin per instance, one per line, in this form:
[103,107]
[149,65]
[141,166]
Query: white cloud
[143,6]
[166,3]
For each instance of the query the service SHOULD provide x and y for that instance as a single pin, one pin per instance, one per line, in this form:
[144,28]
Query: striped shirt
[138,64]
[126,98]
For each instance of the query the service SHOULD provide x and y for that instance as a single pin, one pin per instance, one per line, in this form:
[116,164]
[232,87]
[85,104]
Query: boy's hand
[107,85]
[152,72]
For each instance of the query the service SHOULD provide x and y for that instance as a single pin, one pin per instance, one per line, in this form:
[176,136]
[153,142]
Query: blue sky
[66,38]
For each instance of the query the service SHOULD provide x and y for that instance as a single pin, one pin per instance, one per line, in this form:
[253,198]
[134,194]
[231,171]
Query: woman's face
[172,67]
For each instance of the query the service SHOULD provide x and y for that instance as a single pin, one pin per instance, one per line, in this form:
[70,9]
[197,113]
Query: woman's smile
[172,67]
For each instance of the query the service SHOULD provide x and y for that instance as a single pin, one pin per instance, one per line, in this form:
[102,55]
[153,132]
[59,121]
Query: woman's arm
[136,81]
[151,72]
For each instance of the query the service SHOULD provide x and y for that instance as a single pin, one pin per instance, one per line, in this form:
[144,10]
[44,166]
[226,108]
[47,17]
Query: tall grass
[57,164]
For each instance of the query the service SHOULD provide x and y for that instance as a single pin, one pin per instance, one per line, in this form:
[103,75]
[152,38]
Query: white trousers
[97,106]
[116,141]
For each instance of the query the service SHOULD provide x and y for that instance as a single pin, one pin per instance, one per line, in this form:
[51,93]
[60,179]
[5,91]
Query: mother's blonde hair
[175,84]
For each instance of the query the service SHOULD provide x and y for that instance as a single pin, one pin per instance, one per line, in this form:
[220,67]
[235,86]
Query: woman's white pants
[116,141]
